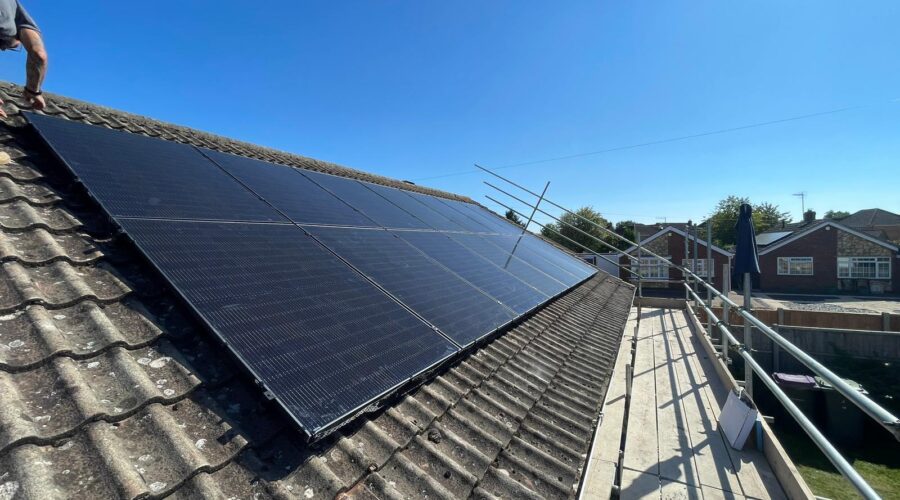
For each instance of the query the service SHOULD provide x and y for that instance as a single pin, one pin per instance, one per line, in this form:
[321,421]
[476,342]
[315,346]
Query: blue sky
[419,89]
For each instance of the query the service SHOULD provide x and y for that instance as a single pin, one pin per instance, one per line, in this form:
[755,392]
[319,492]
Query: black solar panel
[365,200]
[460,310]
[495,281]
[419,210]
[385,285]
[320,337]
[136,176]
[484,217]
[514,265]
[518,246]
[469,224]
[573,265]
[302,200]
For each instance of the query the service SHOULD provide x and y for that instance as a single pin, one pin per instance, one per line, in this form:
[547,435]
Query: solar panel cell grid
[576,267]
[375,207]
[412,206]
[331,319]
[323,339]
[467,223]
[518,247]
[460,310]
[292,193]
[514,265]
[137,176]
[496,282]
[497,224]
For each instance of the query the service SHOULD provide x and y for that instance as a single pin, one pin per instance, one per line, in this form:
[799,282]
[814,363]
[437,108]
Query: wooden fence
[842,321]
[822,335]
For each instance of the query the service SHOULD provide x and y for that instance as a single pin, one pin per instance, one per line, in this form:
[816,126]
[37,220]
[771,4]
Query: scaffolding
[693,285]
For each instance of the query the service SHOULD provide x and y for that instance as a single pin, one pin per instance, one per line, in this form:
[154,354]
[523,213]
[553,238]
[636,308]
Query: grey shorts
[13,18]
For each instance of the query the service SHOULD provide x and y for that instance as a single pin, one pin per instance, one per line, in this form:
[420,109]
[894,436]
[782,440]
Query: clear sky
[419,89]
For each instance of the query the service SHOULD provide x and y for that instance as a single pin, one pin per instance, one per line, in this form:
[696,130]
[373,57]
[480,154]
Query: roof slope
[871,217]
[109,389]
[876,220]
[887,233]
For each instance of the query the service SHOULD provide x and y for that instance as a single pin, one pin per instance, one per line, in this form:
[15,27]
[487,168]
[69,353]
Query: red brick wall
[675,246]
[821,245]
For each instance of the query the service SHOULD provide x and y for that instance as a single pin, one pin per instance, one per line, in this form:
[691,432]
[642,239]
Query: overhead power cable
[659,141]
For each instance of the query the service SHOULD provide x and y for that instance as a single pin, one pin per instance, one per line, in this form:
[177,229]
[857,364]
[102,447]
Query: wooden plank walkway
[673,447]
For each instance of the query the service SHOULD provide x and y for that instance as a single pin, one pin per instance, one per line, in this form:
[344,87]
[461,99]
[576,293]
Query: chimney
[809,216]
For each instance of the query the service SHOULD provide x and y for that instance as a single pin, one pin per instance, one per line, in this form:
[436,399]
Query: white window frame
[701,267]
[652,268]
[849,268]
[789,266]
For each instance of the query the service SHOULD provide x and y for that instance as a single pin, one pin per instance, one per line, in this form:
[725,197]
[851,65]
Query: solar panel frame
[444,348]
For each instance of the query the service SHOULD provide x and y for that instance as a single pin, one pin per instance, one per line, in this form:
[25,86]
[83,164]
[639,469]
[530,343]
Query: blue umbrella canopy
[745,258]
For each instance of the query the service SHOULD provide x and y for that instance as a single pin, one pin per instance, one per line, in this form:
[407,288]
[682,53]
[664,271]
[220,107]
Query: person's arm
[35,66]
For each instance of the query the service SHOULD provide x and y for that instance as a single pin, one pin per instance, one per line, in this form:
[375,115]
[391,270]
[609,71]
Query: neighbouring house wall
[821,245]
[854,246]
[825,245]
[849,245]
[671,244]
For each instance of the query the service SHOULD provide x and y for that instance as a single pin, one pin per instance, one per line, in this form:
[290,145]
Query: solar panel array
[333,292]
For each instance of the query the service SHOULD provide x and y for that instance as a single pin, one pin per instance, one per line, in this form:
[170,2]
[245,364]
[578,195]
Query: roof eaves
[826,223]
[683,235]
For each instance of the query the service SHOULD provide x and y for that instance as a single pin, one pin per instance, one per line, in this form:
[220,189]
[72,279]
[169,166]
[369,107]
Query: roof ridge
[78,110]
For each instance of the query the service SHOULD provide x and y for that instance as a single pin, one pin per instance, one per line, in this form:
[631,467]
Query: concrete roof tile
[110,388]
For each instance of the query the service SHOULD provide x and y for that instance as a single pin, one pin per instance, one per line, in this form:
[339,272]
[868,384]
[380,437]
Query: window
[701,267]
[653,268]
[795,266]
[864,267]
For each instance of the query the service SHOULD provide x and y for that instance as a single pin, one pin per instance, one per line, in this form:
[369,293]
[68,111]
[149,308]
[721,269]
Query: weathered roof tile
[109,388]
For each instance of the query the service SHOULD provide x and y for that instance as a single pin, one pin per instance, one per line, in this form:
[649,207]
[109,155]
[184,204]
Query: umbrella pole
[748,337]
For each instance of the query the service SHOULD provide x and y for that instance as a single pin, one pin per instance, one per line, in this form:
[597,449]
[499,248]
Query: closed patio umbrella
[745,257]
[746,265]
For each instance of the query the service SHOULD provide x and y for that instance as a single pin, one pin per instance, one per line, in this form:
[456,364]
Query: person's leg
[35,66]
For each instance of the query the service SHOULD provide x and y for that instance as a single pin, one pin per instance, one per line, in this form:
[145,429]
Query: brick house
[875,221]
[826,256]
[668,241]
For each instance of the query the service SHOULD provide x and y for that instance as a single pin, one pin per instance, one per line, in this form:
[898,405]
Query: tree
[724,218]
[625,229]
[514,218]
[552,231]
[836,214]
